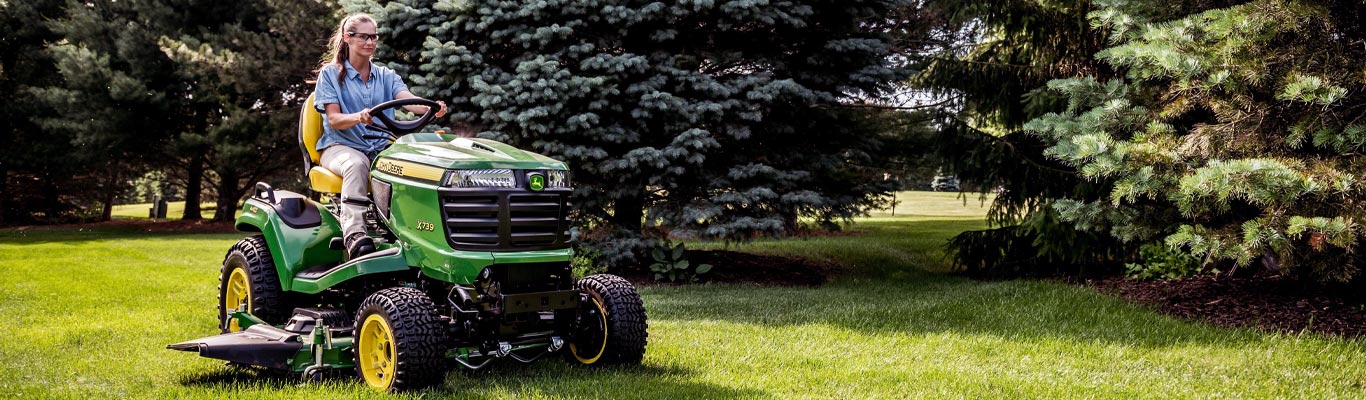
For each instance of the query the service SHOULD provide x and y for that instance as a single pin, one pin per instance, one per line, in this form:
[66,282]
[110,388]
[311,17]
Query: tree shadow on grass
[550,376]
[936,304]
[46,235]
[887,285]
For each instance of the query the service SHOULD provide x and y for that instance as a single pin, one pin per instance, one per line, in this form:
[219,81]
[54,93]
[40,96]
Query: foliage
[149,188]
[1162,262]
[113,102]
[199,90]
[672,265]
[585,262]
[254,68]
[44,176]
[1208,143]
[1040,246]
[713,119]
[990,73]
[994,76]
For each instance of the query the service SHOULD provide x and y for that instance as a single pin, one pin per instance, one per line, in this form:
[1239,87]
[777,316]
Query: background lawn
[174,210]
[90,312]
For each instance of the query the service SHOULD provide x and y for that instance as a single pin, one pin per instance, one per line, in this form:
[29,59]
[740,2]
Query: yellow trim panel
[410,169]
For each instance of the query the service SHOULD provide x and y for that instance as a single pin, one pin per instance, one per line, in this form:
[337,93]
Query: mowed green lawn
[88,314]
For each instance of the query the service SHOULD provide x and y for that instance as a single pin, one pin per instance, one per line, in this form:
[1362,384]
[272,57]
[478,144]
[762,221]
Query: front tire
[400,341]
[248,276]
[611,327]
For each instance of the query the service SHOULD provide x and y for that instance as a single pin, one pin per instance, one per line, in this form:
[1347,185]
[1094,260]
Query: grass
[174,210]
[89,313]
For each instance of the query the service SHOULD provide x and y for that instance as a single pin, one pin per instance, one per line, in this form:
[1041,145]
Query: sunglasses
[364,36]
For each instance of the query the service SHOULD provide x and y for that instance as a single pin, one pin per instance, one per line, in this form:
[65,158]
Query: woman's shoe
[358,244]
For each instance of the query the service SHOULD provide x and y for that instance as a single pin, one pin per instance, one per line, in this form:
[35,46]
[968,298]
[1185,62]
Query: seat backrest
[310,129]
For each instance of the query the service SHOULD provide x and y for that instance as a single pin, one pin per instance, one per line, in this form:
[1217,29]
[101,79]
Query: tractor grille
[506,219]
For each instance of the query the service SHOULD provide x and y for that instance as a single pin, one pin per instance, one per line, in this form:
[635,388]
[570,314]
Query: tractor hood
[453,152]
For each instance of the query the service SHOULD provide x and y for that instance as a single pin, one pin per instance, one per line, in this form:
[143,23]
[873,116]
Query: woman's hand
[417,109]
[342,121]
[363,117]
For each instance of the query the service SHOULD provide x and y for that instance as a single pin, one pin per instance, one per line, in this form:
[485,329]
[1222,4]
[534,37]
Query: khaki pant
[354,168]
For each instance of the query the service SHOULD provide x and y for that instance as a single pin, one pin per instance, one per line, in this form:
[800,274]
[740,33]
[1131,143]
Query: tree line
[1193,136]
[188,99]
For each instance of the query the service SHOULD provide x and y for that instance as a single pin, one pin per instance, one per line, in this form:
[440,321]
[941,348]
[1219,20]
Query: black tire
[419,340]
[624,323]
[268,302]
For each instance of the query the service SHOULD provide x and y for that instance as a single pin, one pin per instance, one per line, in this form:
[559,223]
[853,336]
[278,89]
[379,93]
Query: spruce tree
[991,69]
[1234,134]
[706,118]
[991,72]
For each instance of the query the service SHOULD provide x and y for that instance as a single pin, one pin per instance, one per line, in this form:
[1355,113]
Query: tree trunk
[193,185]
[109,191]
[228,194]
[51,198]
[790,224]
[4,192]
[628,212]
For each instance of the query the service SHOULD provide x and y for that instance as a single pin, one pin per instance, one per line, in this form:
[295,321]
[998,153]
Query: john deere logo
[536,182]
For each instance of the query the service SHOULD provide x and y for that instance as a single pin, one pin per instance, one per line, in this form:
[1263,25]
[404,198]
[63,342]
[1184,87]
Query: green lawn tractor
[472,265]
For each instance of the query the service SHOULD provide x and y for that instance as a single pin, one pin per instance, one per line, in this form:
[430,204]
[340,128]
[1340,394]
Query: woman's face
[357,42]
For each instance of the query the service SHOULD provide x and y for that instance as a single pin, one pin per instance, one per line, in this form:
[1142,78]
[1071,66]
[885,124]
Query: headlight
[469,178]
[557,179]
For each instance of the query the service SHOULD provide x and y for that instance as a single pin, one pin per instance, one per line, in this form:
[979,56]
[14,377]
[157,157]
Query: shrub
[671,264]
[1162,262]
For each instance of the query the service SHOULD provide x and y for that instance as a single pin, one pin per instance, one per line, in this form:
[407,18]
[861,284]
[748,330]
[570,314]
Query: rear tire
[400,341]
[248,274]
[611,327]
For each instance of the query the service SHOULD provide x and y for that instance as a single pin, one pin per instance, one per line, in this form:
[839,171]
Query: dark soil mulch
[174,226]
[757,269]
[1270,303]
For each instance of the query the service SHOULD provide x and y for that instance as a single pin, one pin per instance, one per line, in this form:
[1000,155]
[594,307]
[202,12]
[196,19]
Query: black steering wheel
[395,128]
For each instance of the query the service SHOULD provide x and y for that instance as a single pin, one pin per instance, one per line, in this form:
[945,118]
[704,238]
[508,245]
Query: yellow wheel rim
[602,317]
[375,355]
[238,291]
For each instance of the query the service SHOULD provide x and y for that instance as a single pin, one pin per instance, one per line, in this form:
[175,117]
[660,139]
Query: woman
[348,86]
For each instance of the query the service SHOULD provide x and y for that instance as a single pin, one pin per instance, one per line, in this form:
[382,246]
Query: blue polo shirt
[353,97]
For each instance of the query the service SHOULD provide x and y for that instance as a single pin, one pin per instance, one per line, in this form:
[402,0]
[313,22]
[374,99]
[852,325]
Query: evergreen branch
[890,107]
[1015,150]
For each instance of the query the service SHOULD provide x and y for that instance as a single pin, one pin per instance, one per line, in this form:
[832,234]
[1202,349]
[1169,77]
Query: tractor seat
[320,179]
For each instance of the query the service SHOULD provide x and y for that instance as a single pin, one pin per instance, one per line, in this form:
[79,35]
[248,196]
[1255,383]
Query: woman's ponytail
[343,50]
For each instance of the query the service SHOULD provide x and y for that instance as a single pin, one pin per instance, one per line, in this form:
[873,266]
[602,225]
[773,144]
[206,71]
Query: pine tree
[211,88]
[250,74]
[1234,133]
[33,173]
[706,118]
[111,103]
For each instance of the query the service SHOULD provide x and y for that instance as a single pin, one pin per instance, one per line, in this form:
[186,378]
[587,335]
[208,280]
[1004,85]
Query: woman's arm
[419,110]
[339,121]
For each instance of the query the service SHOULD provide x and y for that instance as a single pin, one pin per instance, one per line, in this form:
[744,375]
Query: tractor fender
[296,230]
[318,279]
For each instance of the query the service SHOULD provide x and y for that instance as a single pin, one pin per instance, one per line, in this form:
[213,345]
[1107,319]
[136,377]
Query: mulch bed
[746,268]
[1271,303]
